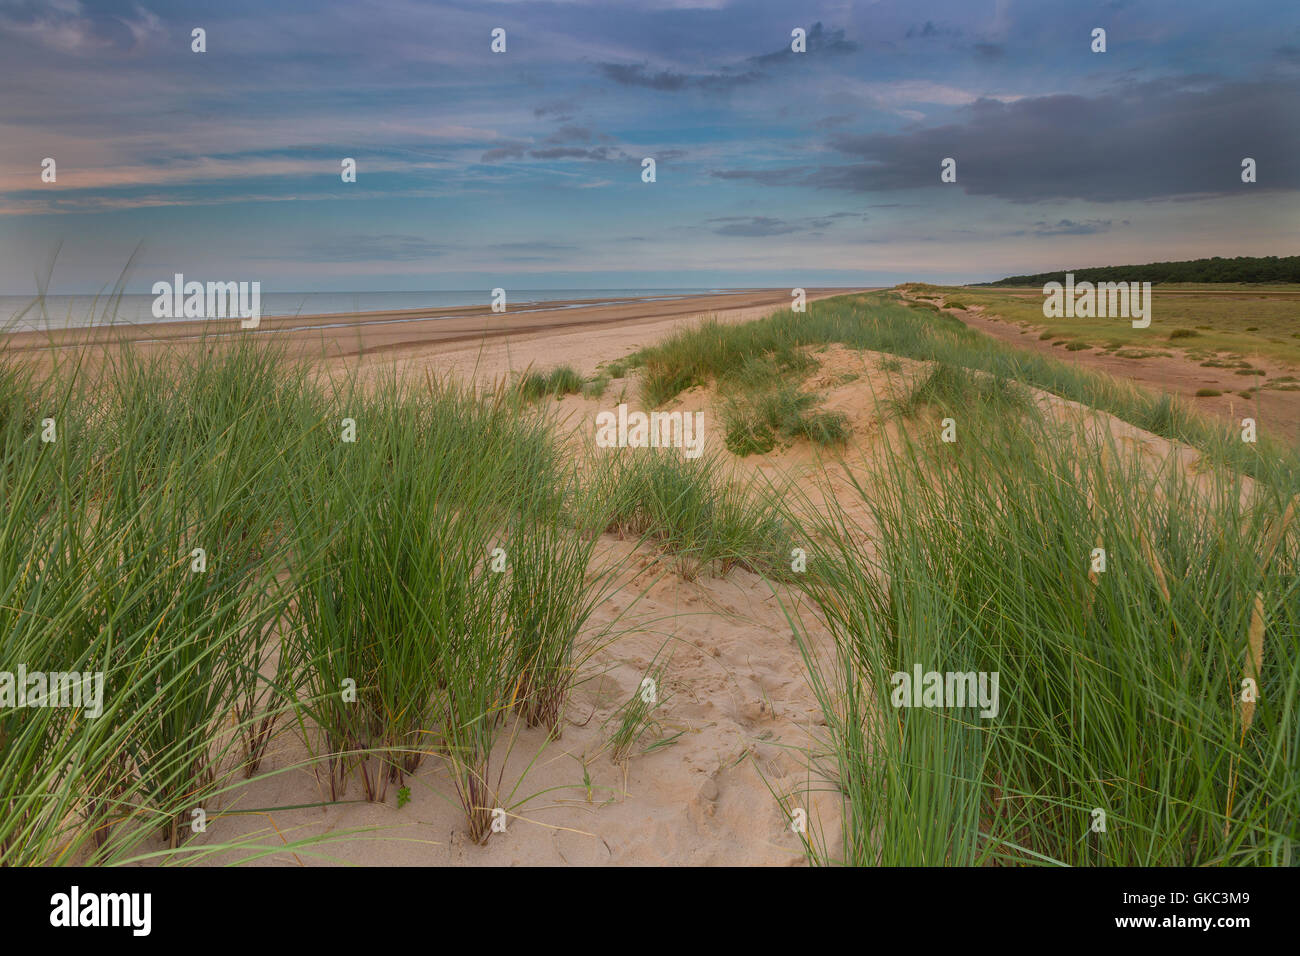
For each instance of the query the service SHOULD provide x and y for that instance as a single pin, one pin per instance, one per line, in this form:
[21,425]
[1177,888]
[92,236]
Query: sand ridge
[741,733]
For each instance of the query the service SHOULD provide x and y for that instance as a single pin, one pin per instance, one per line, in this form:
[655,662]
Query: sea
[27,313]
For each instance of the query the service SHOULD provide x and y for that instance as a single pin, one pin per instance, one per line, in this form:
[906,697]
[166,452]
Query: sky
[524,168]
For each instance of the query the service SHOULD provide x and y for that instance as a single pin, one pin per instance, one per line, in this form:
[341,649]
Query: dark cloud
[767,177]
[1289,53]
[598,154]
[1065,227]
[513,151]
[820,41]
[828,122]
[1154,140]
[576,152]
[636,74]
[570,134]
[825,222]
[989,51]
[750,226]
[1068,227]
[930,31]
[561,110]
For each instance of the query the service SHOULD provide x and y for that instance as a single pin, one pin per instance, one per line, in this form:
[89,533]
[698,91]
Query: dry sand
[413,333]
[748,727]
[735,690]
[742,731]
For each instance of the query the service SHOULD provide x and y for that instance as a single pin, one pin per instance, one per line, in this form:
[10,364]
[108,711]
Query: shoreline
[333,336]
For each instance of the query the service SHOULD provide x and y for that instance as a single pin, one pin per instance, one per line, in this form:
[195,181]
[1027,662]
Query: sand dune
[741,716]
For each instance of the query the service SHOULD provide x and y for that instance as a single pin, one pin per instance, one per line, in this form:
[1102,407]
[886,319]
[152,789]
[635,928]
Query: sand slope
[739,724]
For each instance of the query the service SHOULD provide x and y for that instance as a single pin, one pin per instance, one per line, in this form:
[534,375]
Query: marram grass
[1122,737]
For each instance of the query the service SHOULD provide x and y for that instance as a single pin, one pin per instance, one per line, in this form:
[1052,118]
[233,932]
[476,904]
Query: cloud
[930,31]
[598,153]
[634,74]
[534,246]
[752,226]
[989,51]
[570,134]
[1065,227]
[820,42]
[561,109]
[637,75]
[66,26]
[893,94]
[1068,227]
[196,170]
[1154,140]
[829,122]
[513,151]
[768,177]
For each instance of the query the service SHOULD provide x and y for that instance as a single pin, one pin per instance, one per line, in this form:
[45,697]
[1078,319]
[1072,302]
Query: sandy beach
[745,723]
[406,334]
[739,743]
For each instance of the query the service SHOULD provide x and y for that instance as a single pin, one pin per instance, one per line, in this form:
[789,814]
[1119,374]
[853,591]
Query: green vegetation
[1119,695]
[883,322]
[209,529]
[1142,354]
[756,420]
[635,718]
[1200,321]
[595,387]
[403,574]
[556,383]
[951,389]
[1252,269]
[695,510]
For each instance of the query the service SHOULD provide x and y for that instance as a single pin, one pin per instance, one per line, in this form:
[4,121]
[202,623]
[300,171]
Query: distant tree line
[1217,269]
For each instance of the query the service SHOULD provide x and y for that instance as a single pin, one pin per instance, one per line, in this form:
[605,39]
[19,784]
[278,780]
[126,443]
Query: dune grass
[238,547]
[707,518]
[397,574]
[952,389]
[556,383]
[1121,737]
[882,322]
[756,420]
[138,549]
